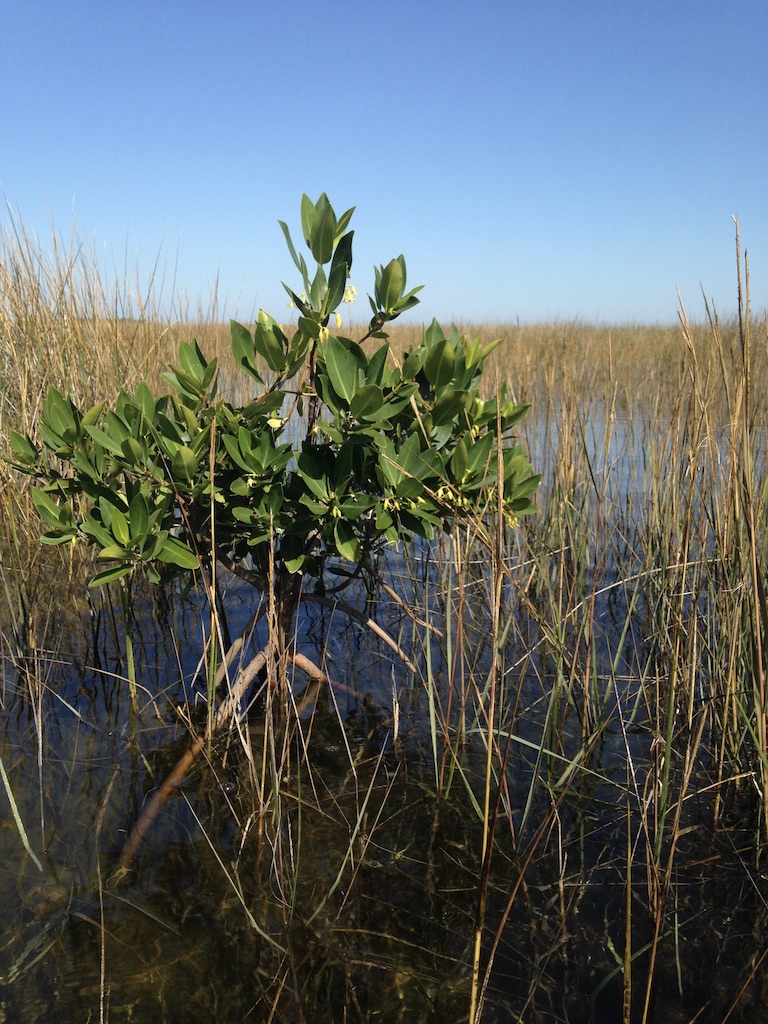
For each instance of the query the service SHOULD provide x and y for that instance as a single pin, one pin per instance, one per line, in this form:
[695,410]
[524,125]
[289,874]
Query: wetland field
[545,801]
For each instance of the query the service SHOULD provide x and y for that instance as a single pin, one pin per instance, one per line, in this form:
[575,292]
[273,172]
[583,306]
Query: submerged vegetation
[538,791]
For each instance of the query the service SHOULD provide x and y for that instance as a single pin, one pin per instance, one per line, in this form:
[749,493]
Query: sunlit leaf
[392,284]
[243,349]
[58,537]
[24,451]
[268,346]
[113,553]
[106,441]
[145,400]
[176,552]
[119,527]
[439,364]
[92,415]
[323,231]
[110,575]
[192,360]
[307,217]
[347,543]
[341,365]
[412,364]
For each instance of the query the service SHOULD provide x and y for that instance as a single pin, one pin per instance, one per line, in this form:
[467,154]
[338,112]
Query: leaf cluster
[390,446]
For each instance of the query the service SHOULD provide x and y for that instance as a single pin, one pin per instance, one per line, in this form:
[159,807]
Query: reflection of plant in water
[187,484]
[591,712]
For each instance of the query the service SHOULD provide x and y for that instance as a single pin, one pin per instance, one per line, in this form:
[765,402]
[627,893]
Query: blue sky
[533,160]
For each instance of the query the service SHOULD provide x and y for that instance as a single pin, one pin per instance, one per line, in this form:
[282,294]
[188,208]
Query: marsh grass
[560,810]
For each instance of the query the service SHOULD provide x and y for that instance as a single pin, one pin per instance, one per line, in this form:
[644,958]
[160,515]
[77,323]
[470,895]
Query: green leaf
[318,290]
[145,400]
[49,510]
[138,516]
[433,334]
[342,367]
[297,300]
[24,451]
[59,537]
[193,360]
[342,256]
[407,302]
[184,382]
[176,552]
[409,487]
[297,353]
[114,552]
[289,243]
[168,430]
[241,487]
[391,285]
[59,415]
[184,465]
[263,406]
[93,414]
[97,531]
[459,460]
[479,456]
[109,575]
[313,474]
[132,451]
[242,514]
[397,401]
[92,470]
[439,364]
[375,374]
[318,509]
[117,427]
[243,349]
[412,363]
[108,501]
[323,232]
[119,527]
[511,414]
[476,354]
[353,508]
[337,282]
[447,407]
[347,543]
[341,225]
[307,217]
[339,273]
[233,449]
[268,345]
[292,552]
[383,518]
[272,502]
[367,402]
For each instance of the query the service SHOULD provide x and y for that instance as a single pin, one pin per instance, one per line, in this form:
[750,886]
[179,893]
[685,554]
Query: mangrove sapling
[185,484]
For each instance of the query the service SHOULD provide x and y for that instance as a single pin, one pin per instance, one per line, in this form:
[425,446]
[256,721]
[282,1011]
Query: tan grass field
[635,596]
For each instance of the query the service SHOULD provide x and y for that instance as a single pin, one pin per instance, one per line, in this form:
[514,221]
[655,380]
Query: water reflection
[340,887]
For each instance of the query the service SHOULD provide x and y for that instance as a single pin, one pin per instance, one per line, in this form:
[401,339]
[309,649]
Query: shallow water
[353,893]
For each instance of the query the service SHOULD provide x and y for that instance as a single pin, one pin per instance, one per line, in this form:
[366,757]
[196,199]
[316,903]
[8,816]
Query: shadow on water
[344,900]
[338,877]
